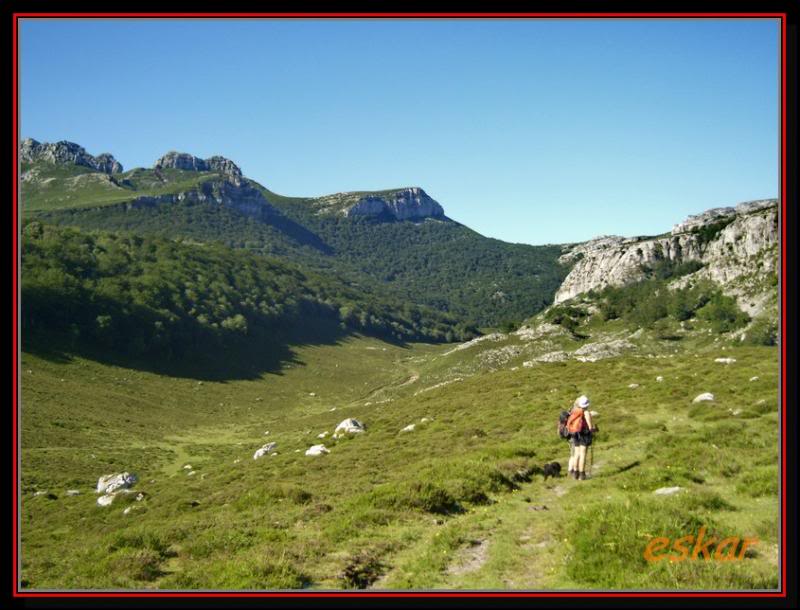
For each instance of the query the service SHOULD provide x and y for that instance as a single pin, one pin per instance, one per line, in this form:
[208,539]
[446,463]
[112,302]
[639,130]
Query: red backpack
[576,422]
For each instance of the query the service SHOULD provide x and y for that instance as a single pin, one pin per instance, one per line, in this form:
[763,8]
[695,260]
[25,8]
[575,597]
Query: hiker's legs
[580,458]
[571,467]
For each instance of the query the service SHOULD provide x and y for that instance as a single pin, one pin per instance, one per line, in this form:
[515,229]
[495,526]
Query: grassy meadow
[458,502]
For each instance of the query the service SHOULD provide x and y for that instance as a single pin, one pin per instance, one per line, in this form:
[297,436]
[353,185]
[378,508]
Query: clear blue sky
[535,131]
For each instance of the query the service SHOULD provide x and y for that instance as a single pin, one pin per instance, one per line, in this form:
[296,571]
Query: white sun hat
[583,402]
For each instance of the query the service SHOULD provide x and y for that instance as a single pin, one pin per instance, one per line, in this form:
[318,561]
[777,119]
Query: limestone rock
[349,426]
[187,162]
[409,428]
[729,242]
[264,449]
[667,491]
[725,360]
[67,153]
[110,483]
[411,203]
[704,397]
[316,450]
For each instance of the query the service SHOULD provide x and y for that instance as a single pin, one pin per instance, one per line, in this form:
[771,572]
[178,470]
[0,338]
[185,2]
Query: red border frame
[407,15]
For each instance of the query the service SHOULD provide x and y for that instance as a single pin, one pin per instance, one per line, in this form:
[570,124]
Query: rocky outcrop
[187,162]
[67,153]
[242,197]
[728,242]
[405,204]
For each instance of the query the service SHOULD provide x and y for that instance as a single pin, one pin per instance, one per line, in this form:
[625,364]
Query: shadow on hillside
[246,361]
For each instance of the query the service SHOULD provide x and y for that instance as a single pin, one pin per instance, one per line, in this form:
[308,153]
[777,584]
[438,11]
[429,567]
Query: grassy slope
[289,520]
[58,187]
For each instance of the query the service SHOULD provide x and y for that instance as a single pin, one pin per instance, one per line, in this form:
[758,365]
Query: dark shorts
[581,439]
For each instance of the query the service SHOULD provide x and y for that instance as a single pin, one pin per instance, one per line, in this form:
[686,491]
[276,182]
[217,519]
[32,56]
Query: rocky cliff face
[730,243]
[67,153]
[187,162]
[403,204]
[241,197]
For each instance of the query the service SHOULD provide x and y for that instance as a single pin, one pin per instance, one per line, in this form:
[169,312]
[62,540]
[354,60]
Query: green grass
[58,187]
[457,503]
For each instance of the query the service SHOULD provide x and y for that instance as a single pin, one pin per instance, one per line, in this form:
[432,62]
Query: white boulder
[73,492]
[754,378]
[317,450]
[659,379]
[265,449]
[105,500]
[408,428]
[725,360]
[704,397]
[633,386]
[112,482]
[348,426]
[667,491]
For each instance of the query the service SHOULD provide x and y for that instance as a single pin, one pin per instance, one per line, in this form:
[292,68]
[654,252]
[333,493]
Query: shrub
[763,331]
[723,313]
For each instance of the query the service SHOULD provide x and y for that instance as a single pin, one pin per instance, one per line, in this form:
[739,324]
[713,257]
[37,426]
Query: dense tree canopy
[144,294]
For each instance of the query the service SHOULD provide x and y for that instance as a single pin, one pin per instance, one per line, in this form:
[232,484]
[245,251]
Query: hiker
[580,429]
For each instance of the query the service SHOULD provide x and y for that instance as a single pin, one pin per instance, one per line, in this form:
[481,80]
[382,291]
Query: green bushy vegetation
[651,303]
[438,264]
[148,295]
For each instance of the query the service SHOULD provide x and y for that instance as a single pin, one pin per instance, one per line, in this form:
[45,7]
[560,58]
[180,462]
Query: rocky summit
[187,162]
[411,203]
[67,153]
[403,205]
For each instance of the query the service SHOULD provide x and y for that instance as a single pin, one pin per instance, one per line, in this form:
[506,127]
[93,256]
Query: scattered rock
[659,379]
[592,352]
[317,450]
[322,434]
[237,460]
[556,356]
[112,482]
[425,420]
[73,492]
[191,473]
[725,360]
[187,467]
[408,428]
[105,500]
[754,378]
[312,394]
[704,397]
[349,426]
[667,491]
[633,386]
[264,450]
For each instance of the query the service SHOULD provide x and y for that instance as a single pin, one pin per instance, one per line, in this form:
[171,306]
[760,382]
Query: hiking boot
[582,476]
[575,474]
